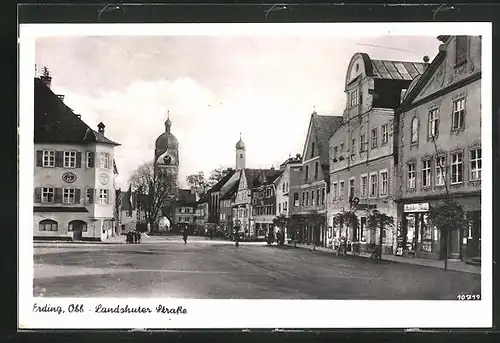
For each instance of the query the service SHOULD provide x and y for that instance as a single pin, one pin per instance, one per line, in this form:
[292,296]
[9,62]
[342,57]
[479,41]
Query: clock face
[167,159]
[104,179]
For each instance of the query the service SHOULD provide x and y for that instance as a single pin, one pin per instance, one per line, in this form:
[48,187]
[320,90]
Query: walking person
[185,235]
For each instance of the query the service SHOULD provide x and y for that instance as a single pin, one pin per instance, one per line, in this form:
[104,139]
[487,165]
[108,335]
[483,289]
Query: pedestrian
[135,237]
[185,235]
[211,234]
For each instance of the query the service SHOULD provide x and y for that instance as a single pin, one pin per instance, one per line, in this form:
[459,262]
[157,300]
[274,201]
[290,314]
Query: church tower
[240,155]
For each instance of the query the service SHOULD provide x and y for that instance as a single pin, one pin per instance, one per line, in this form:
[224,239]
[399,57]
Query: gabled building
[308,213]
[202,214]
[264,204]
[362,161]
[129,216]
[215,194]
[185,210]
[439,150]
[74,188]
[226,209]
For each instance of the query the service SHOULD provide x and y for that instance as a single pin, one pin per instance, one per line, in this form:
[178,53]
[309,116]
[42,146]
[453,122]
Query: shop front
[417,237]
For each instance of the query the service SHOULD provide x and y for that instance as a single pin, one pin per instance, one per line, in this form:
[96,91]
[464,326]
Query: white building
[74,191]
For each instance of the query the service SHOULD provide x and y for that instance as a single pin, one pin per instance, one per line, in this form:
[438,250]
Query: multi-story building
[128,215]
[308,213]
[362,159]
[185,210]
[439,150]
[264,205]
[226,209]
[202,214]
[74,190]
[215,195]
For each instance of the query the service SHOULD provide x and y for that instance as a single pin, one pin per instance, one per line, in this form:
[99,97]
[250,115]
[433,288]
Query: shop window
[48,225]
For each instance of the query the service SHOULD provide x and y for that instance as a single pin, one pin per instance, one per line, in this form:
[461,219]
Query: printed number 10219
[469,297]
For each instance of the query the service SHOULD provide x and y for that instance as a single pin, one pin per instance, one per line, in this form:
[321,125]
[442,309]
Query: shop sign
[421,207]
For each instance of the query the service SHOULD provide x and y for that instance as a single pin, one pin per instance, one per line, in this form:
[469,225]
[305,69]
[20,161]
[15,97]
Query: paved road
[204,269]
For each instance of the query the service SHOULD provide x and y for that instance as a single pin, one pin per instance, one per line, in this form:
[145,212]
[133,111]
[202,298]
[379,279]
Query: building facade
[362,159]
[185,210]
[202,214]
[440,151]
[74,190]
[264,206]
[308,213]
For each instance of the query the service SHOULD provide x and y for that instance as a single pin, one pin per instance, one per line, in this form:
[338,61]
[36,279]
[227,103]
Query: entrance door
[77,227]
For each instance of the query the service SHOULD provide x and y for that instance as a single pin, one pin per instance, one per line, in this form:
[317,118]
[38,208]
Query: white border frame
[257,313]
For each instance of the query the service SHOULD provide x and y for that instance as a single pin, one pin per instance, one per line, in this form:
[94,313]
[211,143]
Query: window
[364,186]
[283,188]
[461,43]
[414,130]
[475,165]
[362,142]
[341,190]
[303,198]
[440,170]
[456,168]
[90,159]
[426,173]
[89,195]
[316,170]
[49,158]
[312,198]
[335,150]
[68,195]
[312,149]
[362,230]
[351,187]
[241,155]
[47,225]
[70,159]
[354,98]
[373,185]
[385,134]
[77,223]
[384,183]
[103,196]
[341,147]
[307,172]
[335,190]
[47,194]
[411,175]
[353,146]
[323,196]
[104,160]
[307,198]
[317,197]
[128,214]
[433,128]
[374,138]
[279,207]
[458,119]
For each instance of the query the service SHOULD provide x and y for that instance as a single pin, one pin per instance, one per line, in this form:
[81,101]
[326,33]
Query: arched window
[47,225]
[414,130]
[77,225]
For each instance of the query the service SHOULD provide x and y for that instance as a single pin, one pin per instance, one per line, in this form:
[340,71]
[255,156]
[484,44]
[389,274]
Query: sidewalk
[458,266]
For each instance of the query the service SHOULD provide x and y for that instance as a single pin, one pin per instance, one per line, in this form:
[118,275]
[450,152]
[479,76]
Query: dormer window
[354,98]
[461,43]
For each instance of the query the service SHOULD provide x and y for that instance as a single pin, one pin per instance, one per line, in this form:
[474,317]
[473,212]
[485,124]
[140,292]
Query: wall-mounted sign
[104,179]
[421,207]
[69,177]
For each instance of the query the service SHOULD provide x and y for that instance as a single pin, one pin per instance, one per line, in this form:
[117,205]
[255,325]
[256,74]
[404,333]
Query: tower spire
[168,122]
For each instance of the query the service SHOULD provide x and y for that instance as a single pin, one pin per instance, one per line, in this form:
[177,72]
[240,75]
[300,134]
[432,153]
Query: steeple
[240,154]
[168,122]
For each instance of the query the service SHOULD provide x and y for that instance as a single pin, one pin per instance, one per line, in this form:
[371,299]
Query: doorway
[78,227]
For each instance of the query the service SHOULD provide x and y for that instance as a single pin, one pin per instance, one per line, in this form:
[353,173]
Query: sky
[265,87]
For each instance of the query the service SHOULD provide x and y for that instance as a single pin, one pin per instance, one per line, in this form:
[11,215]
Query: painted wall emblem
[69,177]
[104,179]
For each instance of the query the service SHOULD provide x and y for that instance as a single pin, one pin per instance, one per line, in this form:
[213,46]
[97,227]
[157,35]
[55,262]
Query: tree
[447,216]
[349,218]
[153,190]
[217,174]
[198,182]
[382,221]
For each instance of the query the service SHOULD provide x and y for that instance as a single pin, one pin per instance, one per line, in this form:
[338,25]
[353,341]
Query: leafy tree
[447,216]
[382,221]
[349,218]
[153,190]
[198,182]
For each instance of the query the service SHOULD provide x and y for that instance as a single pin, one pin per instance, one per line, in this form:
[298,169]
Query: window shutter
[58,195]
[108,198]
[39,158]
[78,159]
[38,194]
[59,158]
[91,195]
[77,196]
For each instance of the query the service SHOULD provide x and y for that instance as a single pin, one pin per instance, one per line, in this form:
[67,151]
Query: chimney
[426,61]
[79,116]
[101,127]
[61,97]
[46,78]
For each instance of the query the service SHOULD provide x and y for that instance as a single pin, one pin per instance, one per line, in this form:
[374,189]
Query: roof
[323,128]
[186,198]
[57,123]
[396,70]
[290,160]
[257,177]
[229,194]
[222,181]
[204,198]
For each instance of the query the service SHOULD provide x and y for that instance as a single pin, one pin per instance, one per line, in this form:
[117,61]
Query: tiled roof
[186,197]
[204,198]
[57,123]
[257,177]
[229,194]
[396,70]
[222,182]
[323,128]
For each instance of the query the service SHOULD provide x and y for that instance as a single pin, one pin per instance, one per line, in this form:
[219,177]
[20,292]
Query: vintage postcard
[255,176]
